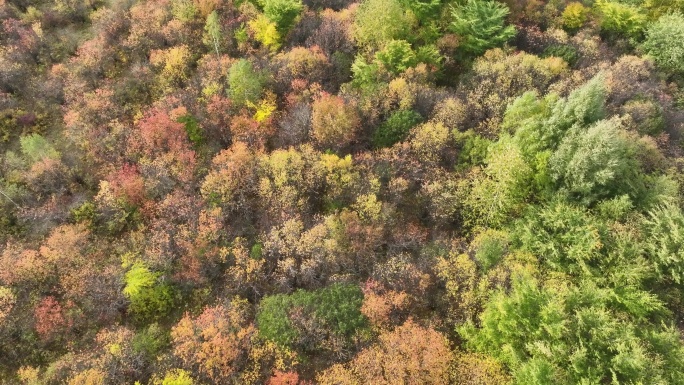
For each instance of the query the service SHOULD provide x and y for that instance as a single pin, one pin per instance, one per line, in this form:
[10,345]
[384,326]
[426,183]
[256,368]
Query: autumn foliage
[294,192]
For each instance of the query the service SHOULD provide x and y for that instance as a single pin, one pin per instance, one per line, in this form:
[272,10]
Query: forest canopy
[341,192]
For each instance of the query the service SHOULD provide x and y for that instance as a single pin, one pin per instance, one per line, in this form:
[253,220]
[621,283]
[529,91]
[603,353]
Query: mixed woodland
[340,192]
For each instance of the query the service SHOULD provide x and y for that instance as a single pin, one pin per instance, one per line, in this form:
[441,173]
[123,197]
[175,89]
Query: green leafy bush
[37,148]
[212,32]
[596,163]
[499,193]
[246,84]
[397,56]
[334,309]
[192,128]
[657,8]
[151,341]
[481,25]
[665,243]
[282,12]
[378,22]
[577,334]
[86,212]
[541,124]
[364,74]
[665,43]
[149,297]
[621,20]
[474,149]
[430,55]
[497,78]
[425,10]
[564,237]
[184,10]
[563,51]
[396,128]
[490,247]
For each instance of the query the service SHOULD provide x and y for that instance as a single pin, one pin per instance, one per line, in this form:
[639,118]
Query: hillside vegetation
[339,192]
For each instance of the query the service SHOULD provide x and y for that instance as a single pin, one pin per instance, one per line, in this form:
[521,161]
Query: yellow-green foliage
[665,43]
[265,108]
[460,276]
[340,176]
[149,297]
[265,32]
[620,19]
[657,8]
[501,192]
[380,21]
[429,140]
[36,148]
[88,377]
[183,10]
[174,377]
[498,77]
[138,279]
[174,65]
[574,16]
[282,12]
[245,83]
[212,32]
[288,178]
[369,207]
[477,369]
[7,301]
[397,56]
[334,121]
